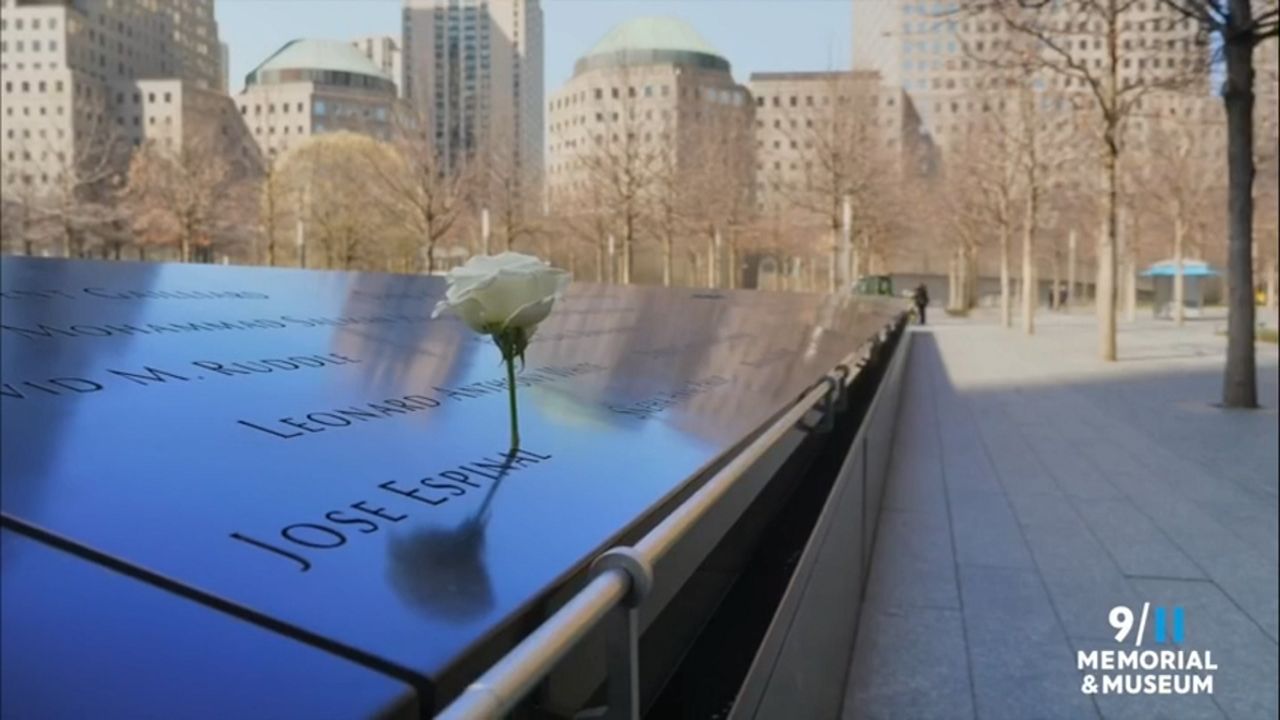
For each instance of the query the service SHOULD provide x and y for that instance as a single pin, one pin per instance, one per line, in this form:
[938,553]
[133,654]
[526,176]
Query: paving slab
[1033,488]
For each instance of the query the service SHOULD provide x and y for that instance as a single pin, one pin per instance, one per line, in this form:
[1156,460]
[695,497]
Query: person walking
[921,299]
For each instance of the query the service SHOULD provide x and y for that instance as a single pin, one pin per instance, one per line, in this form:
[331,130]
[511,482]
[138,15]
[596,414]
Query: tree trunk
[1271,284]
[1239,382]
[628,248]
[668,248]
[970,297]
[953,281]
[611,265]
[1178,287]
[1129,266]
[1006,305]
[1029,294]
[1105,287]
[713,246]
[731,265]
[1057,281]
[1130,287]
[833,281]
[1071,269]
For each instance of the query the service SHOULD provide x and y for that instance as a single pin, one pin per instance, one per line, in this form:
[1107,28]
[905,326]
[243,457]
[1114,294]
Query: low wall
[801,667]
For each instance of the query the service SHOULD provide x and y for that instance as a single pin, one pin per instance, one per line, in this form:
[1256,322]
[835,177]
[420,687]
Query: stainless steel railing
[623,577]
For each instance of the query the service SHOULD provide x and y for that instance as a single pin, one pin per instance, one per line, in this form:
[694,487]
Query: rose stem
[511,395]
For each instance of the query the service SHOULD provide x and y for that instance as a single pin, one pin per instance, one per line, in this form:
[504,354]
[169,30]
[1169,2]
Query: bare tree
[622,163]
[504,188]
[417,185]
[1179,150]
[1240,29]
[716,190]
[272,212]
[82,196]
[844,158]
[193,195]
[330,187]
[1080,41]
[22,219]
[668,198]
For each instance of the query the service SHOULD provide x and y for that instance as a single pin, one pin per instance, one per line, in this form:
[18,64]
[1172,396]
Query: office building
[805,121]
[76,77]
[940,55]
[651,83]
[309,87]
[224,67]
[473,75]
[384,51]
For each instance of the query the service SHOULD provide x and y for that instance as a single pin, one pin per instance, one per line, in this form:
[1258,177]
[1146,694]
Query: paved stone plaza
[1033,488]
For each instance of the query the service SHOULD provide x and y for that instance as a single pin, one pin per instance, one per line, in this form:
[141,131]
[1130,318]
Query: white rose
[494,293]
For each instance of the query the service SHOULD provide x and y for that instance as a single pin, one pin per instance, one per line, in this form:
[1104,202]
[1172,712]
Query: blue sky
[755,35]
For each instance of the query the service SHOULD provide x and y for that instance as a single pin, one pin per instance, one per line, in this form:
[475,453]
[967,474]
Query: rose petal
[496,292]
[530,314]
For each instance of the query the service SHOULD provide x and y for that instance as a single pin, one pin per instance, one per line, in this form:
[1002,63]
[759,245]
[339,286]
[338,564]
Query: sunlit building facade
[77,76]
[939,52]
[473,75]
[651,84]
[310,87]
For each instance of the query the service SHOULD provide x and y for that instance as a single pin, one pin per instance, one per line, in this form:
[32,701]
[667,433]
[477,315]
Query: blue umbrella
[1190,268]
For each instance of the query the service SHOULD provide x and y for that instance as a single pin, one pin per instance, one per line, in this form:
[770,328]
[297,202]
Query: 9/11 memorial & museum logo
[1161,670]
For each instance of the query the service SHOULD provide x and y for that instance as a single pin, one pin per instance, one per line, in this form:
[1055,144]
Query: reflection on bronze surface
[442,570]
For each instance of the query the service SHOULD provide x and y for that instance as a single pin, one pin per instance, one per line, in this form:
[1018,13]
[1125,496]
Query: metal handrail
[504,684]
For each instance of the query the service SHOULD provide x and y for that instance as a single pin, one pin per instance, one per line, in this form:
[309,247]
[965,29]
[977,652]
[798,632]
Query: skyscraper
[79,85]
[473,74]
[224,67]
[384,51]
[937,51]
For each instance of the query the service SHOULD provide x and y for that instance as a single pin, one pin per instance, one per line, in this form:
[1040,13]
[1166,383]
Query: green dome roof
[317,57]
[652,40]
[653,33]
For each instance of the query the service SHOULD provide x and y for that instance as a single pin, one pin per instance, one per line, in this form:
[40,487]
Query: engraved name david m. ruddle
[149,376]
